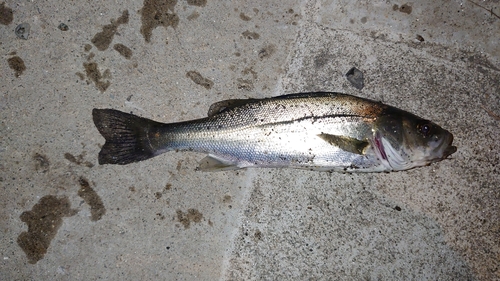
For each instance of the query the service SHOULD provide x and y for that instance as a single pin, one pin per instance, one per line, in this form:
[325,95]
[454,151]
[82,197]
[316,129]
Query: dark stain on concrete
[78,159]
[87,47]
[192,215]
[267,51]
[42,163]
[405,8]
[226,199]
[156,13]
[249,70]
[199,3]
[43,221]
[103,39]
[93,73]
[250,35]
[244,84]
[97,209]
[123,50]
[244,17]
[194,15]
[17,64]
[6,14]
[158,195]
[200,80]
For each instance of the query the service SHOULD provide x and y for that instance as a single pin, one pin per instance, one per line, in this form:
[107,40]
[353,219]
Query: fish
[321,131]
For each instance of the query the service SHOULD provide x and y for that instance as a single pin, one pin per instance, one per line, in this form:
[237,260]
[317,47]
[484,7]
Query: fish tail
[127,136]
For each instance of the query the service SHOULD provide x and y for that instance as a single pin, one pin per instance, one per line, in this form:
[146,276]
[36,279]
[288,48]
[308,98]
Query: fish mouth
[450,149]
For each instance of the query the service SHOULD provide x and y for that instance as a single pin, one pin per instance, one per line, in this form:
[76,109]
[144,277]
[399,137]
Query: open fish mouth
[445,149]
[450,149]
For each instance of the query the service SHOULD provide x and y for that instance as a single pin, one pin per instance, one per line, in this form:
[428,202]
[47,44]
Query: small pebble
[355,76]
[23,31]
[62,26]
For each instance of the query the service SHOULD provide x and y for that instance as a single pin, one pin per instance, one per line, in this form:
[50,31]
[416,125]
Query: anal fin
[346,143]
[212,163]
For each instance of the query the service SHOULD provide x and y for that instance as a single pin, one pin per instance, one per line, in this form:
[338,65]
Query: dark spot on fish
[43,221]
[192,215]
[42,163]
[420,38]
[95,75]
[91,197]
[405,8]
[200,80]
[87,47]
[63,27]
[397,208]
[267,51]
[194,15]
[158,195]
[199,3]
[250,35]
[156,13]
[244,17]
[17,64]
[355,76]
[103,39]
[123,50]
[6,14]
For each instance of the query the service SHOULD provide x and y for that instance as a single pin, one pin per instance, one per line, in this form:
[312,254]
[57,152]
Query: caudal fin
[126,135]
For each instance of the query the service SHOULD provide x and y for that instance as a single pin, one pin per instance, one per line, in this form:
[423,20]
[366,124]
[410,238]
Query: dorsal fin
[226,105]
[346,143]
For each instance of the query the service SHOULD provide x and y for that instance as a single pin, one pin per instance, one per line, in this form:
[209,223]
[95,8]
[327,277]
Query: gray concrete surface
[162,220]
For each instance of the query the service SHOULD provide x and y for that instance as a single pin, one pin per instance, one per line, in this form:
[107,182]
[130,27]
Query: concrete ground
[64,217]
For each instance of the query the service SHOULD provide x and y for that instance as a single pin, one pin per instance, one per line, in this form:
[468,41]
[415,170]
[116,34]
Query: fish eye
[425,129]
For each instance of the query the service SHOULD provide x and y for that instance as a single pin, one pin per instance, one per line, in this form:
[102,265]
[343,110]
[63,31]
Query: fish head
[404,141]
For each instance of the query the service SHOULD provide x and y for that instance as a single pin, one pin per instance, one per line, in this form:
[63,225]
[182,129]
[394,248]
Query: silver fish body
[319,131]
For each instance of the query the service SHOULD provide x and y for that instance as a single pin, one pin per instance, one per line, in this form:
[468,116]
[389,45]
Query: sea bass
[317,131]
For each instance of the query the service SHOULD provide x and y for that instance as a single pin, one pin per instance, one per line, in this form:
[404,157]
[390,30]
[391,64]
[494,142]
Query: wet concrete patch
[88,194]
[250,35]
[93,73]
[17,64]
[200,80]
[156,13]
[6,14]
[43,221]
[123,50]
[42,163]
[78,159]
[199,3]
[192,215]
[103,39]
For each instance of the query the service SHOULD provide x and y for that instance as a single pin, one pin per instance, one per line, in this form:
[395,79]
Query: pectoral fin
[226,105]
[346,143]
[212,163]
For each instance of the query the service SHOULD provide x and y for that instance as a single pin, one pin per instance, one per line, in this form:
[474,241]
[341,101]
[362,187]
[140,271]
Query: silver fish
[318,131]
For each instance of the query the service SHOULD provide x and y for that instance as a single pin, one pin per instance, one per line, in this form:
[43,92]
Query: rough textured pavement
[64,217]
